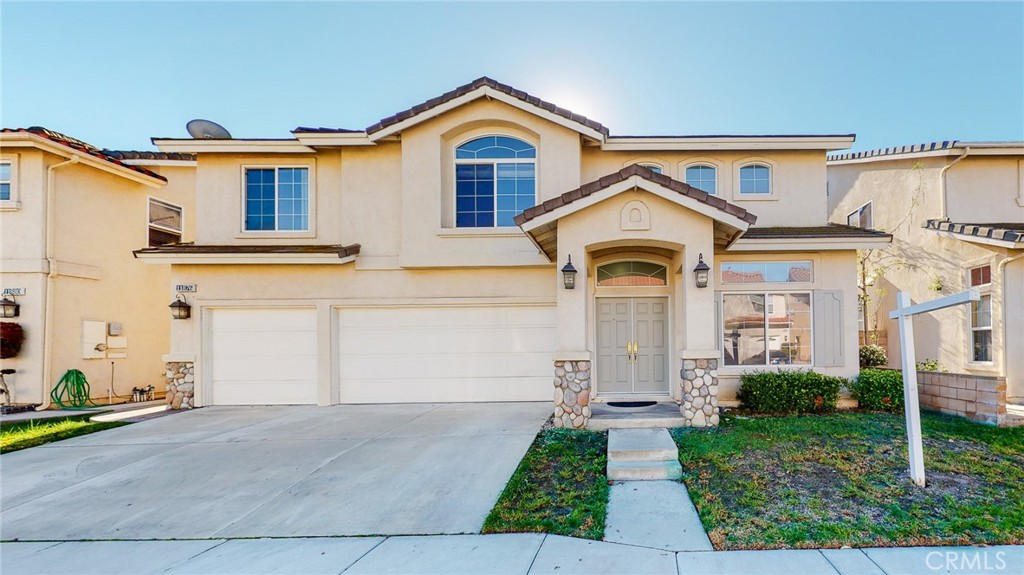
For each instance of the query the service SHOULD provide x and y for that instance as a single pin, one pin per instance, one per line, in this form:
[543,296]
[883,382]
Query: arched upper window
[495,179]
[756,179]
[702,177]
[652,167]
[632,274]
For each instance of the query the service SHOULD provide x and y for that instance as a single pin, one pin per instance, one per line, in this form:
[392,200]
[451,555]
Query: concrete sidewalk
[481,554]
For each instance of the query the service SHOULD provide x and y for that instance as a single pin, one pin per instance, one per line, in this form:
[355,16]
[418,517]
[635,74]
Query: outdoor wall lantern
[569,275]
[9,307]
[700,273]
[180,308]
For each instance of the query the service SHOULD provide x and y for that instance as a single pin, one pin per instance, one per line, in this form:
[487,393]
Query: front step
[644,470]
[642,454]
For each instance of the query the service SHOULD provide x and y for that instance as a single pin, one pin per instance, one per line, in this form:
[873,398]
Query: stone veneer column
[700,392]
[181,384]
[572,394]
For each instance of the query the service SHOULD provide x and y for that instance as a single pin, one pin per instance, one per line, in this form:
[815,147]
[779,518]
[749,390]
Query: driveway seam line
[187,559]
[368,551]
[830,563]
[880,568]
[534,560]
[289,486]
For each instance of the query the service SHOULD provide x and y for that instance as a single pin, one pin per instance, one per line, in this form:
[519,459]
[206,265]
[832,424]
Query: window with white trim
[495,180]
[276,199]
[703,177]
[861,217]
[767,328]
[165,223]
[5,181]
[800,271]
[653,167]
[756,179]
[981,316]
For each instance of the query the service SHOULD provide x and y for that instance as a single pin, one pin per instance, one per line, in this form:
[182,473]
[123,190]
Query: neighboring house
[70,216]
[423,260]
[956,212]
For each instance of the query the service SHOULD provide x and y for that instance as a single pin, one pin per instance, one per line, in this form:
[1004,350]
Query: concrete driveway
[272,471]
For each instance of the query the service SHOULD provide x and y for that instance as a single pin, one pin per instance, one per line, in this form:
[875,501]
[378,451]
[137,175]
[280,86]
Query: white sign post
[904,314]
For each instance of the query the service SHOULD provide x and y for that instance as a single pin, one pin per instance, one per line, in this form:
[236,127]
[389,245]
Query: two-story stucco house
[427,258]
[956,211]
[70,216]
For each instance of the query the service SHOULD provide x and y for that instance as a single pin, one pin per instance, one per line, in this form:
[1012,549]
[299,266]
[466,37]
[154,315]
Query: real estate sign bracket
[904,314]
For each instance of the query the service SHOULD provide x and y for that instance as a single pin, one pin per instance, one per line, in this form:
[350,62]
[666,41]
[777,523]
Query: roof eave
[687,143]
[233,146]
[28,139]
[792,244]
[491,93]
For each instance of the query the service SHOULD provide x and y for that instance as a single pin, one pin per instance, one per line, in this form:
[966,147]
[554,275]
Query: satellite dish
[207,130]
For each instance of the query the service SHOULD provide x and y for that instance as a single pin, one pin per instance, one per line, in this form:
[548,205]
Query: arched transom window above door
[632,274]
[495,179]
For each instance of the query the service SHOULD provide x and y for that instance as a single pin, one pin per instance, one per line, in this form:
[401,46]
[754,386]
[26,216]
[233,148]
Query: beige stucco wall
[905,193]
[100,219]
[798,179]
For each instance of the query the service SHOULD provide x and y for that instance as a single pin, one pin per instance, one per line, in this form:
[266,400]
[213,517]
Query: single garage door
[264,356]
[446,353]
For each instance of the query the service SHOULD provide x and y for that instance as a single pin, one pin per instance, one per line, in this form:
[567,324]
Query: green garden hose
[72,391]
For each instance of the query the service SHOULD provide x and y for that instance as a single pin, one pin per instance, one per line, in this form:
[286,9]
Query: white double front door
[632,345]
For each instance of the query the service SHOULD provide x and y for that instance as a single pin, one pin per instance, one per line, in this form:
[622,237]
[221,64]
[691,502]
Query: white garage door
[264,356]
[425,354]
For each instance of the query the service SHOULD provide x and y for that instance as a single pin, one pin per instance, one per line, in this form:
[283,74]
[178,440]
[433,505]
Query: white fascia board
[650,187]
[177,163]
[613,144]
[806,244]
[29,140]
[979,240]
[955,151]
[260,259]
[494,95]
[232,146]
[334,139]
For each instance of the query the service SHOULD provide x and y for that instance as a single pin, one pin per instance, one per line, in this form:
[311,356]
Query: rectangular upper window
[981,329]
[762,329]
[276,199]
[981,275]
[767,272]
[861,217]
[165,223]
[5,181]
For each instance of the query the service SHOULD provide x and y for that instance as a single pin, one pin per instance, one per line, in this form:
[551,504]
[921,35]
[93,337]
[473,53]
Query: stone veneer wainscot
[180,384]
[699,380]
[572,394]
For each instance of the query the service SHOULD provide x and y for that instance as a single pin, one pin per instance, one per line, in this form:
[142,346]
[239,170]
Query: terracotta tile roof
[623,175]
[495,85]
[342,251]
[147,155]
[826,231]
[914,148]
[309,130]
[1007,232]
[80,147]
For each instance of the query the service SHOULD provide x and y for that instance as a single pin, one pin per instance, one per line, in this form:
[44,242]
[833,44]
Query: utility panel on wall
[94,339]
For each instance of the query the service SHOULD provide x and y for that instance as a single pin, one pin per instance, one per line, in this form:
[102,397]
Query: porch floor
[661,414]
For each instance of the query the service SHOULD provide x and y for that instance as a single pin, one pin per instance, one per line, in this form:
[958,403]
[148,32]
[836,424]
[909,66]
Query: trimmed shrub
[789,391]
[879,389]
[872,356]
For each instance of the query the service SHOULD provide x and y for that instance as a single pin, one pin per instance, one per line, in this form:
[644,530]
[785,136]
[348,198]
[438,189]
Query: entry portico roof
[541,221]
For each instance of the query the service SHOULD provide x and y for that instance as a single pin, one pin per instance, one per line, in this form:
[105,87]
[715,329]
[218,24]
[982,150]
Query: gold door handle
[636,348]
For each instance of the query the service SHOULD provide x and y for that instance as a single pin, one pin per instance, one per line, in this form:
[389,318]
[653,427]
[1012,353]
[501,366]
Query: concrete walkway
[656,514]
[534,554]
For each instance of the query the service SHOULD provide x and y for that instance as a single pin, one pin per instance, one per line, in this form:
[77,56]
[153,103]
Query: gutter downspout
[942,183]
[1001,274]
[51,265]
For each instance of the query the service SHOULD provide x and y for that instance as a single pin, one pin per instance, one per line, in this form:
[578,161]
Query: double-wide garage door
[385,354]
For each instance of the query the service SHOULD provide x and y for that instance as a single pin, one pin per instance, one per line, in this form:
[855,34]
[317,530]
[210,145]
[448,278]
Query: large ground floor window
[766,328]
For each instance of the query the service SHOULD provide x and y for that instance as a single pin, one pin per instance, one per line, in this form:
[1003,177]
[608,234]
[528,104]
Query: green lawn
[560,487]
[23,434]
[841,479]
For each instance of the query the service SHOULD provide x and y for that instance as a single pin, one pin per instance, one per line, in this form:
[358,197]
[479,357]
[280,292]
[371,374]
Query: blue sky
[115,74]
